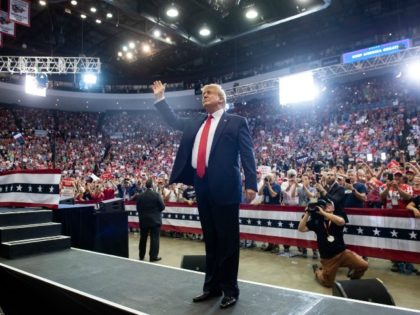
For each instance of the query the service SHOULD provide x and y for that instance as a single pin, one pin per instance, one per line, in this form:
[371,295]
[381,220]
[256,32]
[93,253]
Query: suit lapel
[219,130]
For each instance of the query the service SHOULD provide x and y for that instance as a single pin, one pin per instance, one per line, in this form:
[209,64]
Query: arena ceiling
[58,30]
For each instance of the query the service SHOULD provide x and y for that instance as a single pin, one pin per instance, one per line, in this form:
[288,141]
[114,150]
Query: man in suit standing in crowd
[149,207]
[208,159]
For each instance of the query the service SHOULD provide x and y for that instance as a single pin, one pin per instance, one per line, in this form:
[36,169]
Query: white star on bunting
[39,188]
[30,188]
[269,223]
[51,189]
[376,232]
[259,222]
[292,225]
[394,233]
[280,224]
[359,230]
[19,188]
[413,235]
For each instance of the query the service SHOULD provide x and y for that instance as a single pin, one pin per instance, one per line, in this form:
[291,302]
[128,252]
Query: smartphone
[390,176]
[347,180]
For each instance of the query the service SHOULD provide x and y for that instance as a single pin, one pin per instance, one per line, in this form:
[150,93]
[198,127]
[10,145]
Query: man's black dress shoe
[155,259]
[206,295]
[227,301]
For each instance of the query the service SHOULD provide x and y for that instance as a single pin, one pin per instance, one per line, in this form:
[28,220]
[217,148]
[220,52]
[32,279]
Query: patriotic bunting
[30,188]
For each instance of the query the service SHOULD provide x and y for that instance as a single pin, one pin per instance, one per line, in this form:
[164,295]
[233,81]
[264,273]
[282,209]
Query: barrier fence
[381,233]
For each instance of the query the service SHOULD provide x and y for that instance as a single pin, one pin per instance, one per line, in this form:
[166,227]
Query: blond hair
[218,87]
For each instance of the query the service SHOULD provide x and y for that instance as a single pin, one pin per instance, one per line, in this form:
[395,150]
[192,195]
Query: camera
[390,176]
[314,203]
[317,177]
[347,180]
[266,179]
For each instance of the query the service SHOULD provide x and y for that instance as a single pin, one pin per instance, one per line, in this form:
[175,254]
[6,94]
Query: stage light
[90,78]
[125,48]
[156,33]
[109,15]
[93,9]
[413,70]
[251,13]
[131,45]
[36,84]
[73,2]
[172,11]
[205,31]
[43,3]
[120,54]
[129,55]
[297,88]
[146,48]
[98,21]
[83,16]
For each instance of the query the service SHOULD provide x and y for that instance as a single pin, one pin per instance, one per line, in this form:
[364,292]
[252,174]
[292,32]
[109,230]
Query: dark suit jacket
[336,194]
[149,207]
[231,140]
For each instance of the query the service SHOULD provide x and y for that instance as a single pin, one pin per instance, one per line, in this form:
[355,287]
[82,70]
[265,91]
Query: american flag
[30,188]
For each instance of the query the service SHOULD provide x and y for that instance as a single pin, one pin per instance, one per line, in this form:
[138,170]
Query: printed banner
[7,27]
[387,234]
[30,188]
[19,12]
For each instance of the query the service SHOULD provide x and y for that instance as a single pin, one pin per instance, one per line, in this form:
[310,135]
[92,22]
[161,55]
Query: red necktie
[201,157]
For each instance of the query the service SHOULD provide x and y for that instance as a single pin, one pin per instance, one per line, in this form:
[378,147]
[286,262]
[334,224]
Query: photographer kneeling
[328,227]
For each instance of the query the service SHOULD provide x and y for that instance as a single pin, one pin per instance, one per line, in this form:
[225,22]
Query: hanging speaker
[194,262]
[369,290]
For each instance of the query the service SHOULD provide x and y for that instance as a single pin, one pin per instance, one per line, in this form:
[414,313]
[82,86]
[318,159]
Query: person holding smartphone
[395,194]
[355,189]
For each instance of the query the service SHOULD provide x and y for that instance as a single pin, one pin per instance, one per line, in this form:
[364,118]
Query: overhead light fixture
[172,11]
[131,45]
[98,21]
[120,54]
[157,33]
[93,9]
[43,3]
[146,48]
[413,70]
[205,31]
[251,13]
[73,2]
[36,84]
[83,16]
[90,78]
[129,55]
[109,15]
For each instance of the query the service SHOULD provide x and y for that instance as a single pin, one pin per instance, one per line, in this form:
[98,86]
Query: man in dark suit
[149,207]
[208,159]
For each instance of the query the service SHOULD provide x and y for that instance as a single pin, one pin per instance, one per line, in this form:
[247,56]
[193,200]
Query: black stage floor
[155,289]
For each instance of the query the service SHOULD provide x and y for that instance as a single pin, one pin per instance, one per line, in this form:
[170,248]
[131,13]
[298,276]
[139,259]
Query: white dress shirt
[214,122]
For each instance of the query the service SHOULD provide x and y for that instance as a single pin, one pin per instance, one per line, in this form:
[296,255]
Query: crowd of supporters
[373,121]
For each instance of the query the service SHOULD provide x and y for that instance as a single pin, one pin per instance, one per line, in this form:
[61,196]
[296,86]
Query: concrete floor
[296,273]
